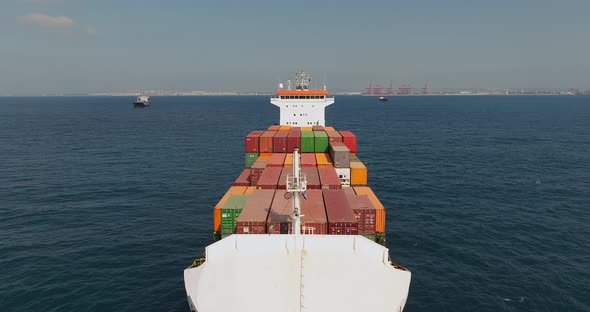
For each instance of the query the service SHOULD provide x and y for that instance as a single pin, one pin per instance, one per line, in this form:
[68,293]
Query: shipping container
[317,128]
[234,190]
[279,218]
[358,173]
[349,139]
[329,179]
[274,128]
[326,128]
[307,129]
[307,142]
[296,129]
[364,211]
[339,154]
[288,161]
[231,211]
[334,136]
[252,220]
[341,218]
[293,141]
[266,141]
[256,171]
[312,177]
[308,160]
[380,209]
[250,190]
[252,141]
[265,155]
[313,219]
[323,160]
[250,159]
[320,142]
[269,178]
[277,160]
[279,143]
[243,179]
[284,128]
[282,183]
[344,176]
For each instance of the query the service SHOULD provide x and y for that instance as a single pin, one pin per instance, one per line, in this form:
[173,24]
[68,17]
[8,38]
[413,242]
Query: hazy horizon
[74,46]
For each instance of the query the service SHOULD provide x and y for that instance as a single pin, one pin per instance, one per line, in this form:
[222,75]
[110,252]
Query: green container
[321,141]
[231,211]
[307,142]
[251,159]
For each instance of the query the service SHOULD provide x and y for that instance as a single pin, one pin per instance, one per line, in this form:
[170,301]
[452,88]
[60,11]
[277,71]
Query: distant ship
[383,99]
[142,101]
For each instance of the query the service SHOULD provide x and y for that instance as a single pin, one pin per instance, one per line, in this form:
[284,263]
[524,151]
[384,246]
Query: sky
[87,46]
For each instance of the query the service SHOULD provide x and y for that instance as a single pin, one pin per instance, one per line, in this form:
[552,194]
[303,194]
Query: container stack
[338,200]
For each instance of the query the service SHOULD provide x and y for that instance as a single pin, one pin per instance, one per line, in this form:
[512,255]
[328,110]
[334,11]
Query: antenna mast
[296,184]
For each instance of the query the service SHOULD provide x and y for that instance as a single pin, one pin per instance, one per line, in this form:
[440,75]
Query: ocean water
[102,206]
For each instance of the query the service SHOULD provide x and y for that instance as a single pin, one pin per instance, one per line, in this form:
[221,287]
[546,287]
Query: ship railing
[293,186]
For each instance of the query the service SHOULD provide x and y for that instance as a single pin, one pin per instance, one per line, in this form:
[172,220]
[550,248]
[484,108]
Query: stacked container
[320,142]
[341,219]
[252,220]
[230,212]
[266,140]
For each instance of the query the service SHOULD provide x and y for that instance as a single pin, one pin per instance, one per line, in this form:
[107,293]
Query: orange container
[380,209]
[288,161]
[250,190]
[352,154]
[323,160]
[274,128]
[265,155]
[329,129]
[358,173]
[234,190]
[309,129]
[285,128]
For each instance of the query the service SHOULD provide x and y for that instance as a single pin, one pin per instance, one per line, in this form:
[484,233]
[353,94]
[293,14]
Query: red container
[252,219]
[256,171]
[277,159]
[329,179]
[298,129]
[282,183]
[308,160]
[364,211]
[279,142]
[314,219]
[266,141]
[349,140]
[341,218]
[294,140]
[334,136]
[251,141]
[269,178]
[312,177]
[317,128]
[279,218]
[243,179]
[274,128]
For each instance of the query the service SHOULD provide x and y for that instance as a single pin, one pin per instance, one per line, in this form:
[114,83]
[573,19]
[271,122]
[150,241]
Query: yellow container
[358,173]
[306,129]
[234,190]
[288,161]
[285,128]
[380,209]
[323,160]
[329,129]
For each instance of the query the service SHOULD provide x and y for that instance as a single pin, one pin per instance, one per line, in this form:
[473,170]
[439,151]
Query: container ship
[300,229]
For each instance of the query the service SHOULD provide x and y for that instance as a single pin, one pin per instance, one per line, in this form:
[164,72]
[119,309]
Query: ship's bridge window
[282,96]
[321,97]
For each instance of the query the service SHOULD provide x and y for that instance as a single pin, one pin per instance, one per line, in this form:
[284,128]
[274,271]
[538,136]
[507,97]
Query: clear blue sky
[71,46]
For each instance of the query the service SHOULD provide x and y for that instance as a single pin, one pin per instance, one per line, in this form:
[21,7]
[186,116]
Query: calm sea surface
[102,206]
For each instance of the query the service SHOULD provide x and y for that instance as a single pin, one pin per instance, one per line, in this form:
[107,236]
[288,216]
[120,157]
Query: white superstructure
[302,107]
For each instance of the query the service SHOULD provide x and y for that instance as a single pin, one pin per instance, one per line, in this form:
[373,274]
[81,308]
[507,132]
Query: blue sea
[102,205]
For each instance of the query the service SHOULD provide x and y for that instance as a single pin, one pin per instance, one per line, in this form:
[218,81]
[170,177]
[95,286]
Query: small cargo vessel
[383,99]
[142,101]
[300,229]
